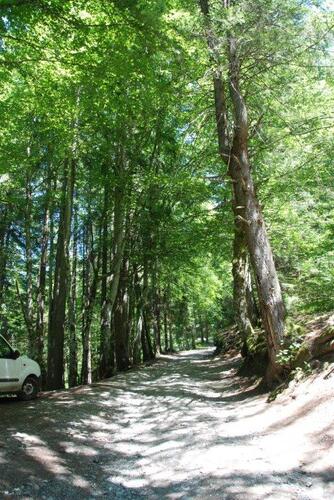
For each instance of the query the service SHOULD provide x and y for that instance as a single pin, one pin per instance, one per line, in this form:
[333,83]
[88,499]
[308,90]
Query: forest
[166,171]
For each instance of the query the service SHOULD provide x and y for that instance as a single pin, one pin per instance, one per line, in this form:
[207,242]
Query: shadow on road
[171,430]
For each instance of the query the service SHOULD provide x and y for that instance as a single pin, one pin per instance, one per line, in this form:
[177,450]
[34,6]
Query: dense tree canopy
[116,226]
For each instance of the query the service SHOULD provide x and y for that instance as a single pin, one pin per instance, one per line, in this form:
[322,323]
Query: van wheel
[29,389]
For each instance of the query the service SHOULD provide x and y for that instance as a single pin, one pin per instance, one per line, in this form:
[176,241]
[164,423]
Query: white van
[18,374]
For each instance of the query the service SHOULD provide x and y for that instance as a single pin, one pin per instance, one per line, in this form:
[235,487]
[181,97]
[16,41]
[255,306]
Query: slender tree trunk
[86,372]
[91,283]
[138,320]
[156,308]
[206,331]
[165,311]
[148,353]
[72,309]
[145,339]
[142,295]
[201,331]
[157,321]
[55,375]
[29,270]
[107,363]
[52,245]
[121,321]
[112,281]
[4,243]
[41,287]
[171,344]
[193,336]
[137,341]
[146,321]
[132,317]
[4,228]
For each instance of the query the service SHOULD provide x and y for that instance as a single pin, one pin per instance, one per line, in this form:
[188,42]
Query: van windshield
[5,349]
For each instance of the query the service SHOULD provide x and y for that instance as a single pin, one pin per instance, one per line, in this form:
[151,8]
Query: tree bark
[156,308]
[138,320]
[55,374]
[51,258]
[201,330]
[121,320]
[72,309]
[113,278]
[165,312]
[145,339]
[106,363]
[91,283]
[250,215]
[193,336]
[170,339]
[148,353]
[244,305]
[242,295]
[206,331]
[29,269]
[4,243]
[41,288]
[136,355]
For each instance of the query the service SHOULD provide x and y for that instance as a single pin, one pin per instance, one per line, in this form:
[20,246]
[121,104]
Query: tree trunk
[193,336]
[137,340]
[244,305]
[247,209]
[165,310]
[206,331]
[41,288]
[156,309]
[4,228]
[91,283]
[148,353]
[201,330]
[146,339]
[106,363]
[250,215]
[55,375]
[171,344]
[29,270]
[138,320]
[241,273]
[146,321]
[52,245]
[132,316]
[112,281]
[157,322]
[121,321]
[72,310]
[4,243]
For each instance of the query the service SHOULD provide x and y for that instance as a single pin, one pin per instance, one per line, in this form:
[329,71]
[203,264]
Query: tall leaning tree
[243,298]
[233,138]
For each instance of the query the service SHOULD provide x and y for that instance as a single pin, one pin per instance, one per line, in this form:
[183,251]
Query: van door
[9,368]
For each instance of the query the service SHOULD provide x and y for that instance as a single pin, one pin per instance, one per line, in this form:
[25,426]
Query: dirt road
[184,428]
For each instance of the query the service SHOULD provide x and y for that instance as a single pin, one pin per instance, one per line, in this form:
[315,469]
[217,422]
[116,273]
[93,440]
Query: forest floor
[186,427]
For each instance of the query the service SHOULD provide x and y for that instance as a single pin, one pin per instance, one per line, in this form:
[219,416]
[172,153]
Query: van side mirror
[16,354]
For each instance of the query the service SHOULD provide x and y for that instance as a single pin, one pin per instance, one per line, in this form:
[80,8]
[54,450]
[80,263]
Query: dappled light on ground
[186,427]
